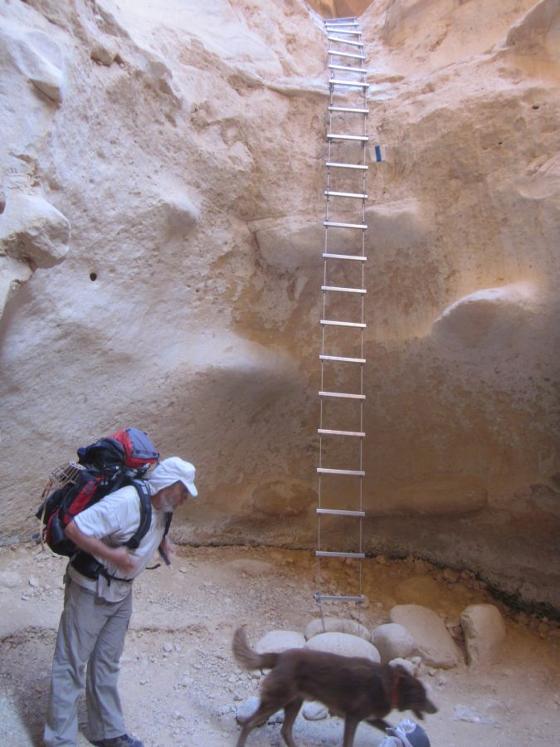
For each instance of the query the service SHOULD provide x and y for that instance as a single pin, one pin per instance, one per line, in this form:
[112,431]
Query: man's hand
[123,560]
[118,556]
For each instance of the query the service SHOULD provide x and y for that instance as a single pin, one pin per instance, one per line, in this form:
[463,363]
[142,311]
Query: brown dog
[352,688]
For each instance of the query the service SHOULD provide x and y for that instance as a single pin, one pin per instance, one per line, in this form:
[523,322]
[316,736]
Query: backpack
[103,467]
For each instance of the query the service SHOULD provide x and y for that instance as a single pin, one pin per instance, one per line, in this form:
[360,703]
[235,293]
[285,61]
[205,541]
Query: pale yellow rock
[484,629]
[191,172]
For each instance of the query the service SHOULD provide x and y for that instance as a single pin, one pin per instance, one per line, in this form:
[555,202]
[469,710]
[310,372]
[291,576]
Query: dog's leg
[291,711]
[259,717]
[350,726]
[378,723]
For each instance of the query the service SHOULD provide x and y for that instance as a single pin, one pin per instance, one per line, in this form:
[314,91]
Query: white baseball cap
[172,470]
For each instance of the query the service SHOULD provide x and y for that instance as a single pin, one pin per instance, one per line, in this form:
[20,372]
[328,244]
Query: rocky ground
[181,686]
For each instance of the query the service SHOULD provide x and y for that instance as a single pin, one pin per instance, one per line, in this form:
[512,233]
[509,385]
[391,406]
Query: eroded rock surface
[185,149]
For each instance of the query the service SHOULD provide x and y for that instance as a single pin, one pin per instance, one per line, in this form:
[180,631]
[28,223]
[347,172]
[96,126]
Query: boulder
[434,644]
[313,711]
[392,640]
[484,630]
[279,640]
[246,708]
[344,644]
[336,625]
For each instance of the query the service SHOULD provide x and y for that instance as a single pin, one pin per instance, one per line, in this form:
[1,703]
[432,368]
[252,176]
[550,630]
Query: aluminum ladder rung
[352,55]
[337,165]
[342,395]
[342,359]
[340,512]
[353,257]
[330,554]
[336,24]
[355,195]
[346,32]
[340,289]
[342,19]
[345,41]
[350,434]
[335,323]
[336,224]
[358,599]
[348,109]
[349,69]
[348,472]
[340,136]
[347,83]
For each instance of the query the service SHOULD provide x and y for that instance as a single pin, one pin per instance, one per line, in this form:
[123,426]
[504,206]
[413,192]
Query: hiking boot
[123,741]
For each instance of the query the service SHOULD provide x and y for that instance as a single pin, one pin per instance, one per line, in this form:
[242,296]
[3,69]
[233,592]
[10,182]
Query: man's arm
[118,556]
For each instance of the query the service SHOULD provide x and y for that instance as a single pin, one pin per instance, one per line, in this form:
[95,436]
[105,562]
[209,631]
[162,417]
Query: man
[98,604]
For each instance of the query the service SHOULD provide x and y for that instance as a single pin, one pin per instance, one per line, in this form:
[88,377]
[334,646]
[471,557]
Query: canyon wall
[160,240]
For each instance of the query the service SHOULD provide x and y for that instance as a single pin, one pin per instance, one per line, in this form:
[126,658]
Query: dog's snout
[430,707]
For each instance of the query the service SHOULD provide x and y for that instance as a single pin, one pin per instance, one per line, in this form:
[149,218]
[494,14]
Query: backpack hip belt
[91,568]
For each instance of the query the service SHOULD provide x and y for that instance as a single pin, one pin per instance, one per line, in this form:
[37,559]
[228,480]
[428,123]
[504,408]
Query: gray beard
[166,506]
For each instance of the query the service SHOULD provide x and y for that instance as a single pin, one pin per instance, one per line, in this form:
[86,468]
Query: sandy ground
[180,685]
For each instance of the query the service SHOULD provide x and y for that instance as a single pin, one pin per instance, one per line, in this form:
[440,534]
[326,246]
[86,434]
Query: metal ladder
[342,398]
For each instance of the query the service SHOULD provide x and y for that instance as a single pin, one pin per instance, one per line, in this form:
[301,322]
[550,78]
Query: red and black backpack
[102,467]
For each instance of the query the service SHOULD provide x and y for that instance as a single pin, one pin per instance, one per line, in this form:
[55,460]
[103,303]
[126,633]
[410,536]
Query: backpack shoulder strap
[145,514]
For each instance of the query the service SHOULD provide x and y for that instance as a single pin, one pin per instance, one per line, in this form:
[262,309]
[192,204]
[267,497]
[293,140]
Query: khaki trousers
[91,632]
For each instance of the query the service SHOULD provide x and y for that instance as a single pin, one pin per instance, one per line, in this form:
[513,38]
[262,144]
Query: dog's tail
[248,658]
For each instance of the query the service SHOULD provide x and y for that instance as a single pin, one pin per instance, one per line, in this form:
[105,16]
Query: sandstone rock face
[33,231]
[37,57]
[184,146]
